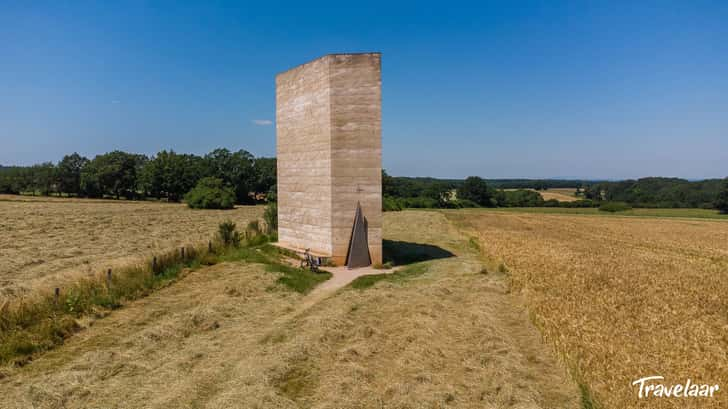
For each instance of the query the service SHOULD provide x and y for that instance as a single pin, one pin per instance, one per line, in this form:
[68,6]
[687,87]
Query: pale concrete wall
[328,123]
[303,150]
[356,148]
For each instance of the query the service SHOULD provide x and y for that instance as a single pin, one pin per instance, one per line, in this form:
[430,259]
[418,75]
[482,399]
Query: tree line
[402,192]
[658,192]
[167,175]
[405,192]
[170,176]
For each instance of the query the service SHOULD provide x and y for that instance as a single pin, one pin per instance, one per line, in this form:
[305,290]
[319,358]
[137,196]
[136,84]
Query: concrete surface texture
[329,150]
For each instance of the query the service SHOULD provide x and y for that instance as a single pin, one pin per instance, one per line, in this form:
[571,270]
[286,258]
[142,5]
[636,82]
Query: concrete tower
[329,151]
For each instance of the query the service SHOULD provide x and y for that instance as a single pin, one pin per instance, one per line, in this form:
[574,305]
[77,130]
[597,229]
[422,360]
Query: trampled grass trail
[441,332]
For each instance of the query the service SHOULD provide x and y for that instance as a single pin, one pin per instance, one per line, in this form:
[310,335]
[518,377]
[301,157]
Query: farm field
[619,298]
[494,309]
[562,195]
[48,239]
[440,334]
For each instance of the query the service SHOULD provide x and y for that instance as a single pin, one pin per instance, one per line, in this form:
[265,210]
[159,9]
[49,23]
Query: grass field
[447,334]
[496,308]
[620,298]
[48,239]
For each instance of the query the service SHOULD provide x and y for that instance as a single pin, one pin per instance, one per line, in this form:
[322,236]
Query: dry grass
[171,349]
[50,239]
[450,336]
[617,298]
[228,336]
[621,298]
[37,322]
[562,195]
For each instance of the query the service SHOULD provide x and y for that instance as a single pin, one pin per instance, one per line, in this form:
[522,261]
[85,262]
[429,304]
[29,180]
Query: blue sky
[496,89]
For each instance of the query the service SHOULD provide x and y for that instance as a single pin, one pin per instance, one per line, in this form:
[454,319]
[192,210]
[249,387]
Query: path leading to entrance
[342,276]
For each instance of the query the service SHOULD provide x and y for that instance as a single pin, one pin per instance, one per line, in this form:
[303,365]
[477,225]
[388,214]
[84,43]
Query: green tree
[43,179]
[14,179]
[521,198]
[116,173]
[235,169]
[593,192]
[140,163]
[89,182]
[721,203]
[265,173]
[210,193]
[389,187]
[6,184]
[69,173]
[474,188]
[171,175]
[439,191]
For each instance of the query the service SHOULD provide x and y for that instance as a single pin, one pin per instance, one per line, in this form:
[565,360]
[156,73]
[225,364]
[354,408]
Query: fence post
[3,308]
[209,246]
[56,295]
[108,279]
[154,265]
[182,252]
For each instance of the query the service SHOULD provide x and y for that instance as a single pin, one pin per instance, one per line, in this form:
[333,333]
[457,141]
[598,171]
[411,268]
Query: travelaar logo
[650,388]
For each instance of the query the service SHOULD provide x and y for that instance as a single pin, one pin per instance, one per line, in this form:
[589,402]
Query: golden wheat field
[620,298]
[46,239]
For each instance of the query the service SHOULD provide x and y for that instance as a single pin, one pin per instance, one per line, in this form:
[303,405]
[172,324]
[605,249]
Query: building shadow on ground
[402,252]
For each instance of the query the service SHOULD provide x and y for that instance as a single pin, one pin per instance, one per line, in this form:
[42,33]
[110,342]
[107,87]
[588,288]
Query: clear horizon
[609,90]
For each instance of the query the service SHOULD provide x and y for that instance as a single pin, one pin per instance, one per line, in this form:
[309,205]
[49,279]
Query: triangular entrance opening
[358,253]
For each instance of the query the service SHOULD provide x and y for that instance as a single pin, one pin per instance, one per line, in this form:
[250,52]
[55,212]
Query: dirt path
[227,336]
[342,277]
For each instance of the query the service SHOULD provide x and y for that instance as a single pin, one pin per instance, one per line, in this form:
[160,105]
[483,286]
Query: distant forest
[169,176]
[402,192]
[166,175]
[659,192]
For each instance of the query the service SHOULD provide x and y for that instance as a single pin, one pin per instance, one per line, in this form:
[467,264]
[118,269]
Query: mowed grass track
[620,298]
[50,239]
